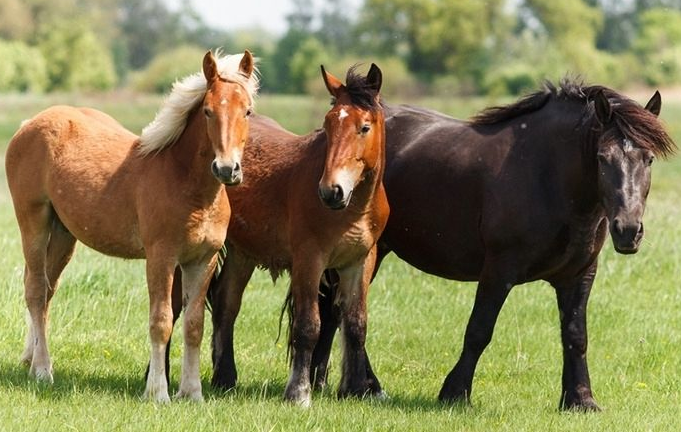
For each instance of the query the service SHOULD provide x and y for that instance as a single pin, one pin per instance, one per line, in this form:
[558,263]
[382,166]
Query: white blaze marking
[223,101]
[342,114]
[628,146]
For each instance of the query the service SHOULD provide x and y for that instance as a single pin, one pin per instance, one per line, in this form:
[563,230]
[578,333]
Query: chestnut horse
[520,193]
[76,174]
[309,203]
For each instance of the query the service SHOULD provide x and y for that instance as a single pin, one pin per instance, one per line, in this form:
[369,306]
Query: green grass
[99,343]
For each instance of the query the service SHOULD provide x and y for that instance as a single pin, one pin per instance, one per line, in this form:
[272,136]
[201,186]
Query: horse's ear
[246,64]
[654,105]
[333,84]
[210,68]
[602,107]
[374,78]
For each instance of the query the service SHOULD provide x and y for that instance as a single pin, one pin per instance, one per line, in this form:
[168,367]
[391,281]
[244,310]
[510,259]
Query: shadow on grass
[75,381]
[70,381]
[273,391]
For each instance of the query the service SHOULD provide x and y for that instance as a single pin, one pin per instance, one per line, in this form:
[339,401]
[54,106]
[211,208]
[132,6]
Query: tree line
[439,47]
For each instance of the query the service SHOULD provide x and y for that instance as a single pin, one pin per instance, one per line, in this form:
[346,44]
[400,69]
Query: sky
[231,15]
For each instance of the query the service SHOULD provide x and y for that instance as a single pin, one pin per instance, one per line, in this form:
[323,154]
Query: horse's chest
[575,249]
[354,243]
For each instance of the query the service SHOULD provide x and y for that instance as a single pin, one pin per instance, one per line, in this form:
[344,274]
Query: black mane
[634,122]
[361,94]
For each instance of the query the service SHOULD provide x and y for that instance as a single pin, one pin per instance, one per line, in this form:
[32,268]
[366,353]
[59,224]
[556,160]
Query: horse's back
[76,161]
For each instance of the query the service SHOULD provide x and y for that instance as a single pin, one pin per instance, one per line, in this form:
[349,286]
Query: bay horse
[309,203]
[77,174]
[519,193]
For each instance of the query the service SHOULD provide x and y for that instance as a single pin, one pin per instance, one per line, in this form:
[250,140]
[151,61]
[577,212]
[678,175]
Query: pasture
[99,343]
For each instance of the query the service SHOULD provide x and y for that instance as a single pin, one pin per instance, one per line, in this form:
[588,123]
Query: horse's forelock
[637,124]
[359,90]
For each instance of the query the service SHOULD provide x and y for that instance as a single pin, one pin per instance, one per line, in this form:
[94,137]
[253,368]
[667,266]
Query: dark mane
[633,121]
[361,94]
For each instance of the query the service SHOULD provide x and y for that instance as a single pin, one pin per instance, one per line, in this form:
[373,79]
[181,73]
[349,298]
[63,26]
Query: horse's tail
[326,295]
[289,308]
[222,256]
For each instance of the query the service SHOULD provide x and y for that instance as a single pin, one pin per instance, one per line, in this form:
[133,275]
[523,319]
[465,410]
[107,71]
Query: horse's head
[624,168]
[227,106]
[355,135]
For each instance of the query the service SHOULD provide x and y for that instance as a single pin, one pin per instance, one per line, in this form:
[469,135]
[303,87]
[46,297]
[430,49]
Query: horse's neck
[192,155]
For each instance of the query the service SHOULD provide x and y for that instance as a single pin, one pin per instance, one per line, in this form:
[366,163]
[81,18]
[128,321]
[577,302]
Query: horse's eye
[208,113]
[249,112]
[365,129]
[650,160]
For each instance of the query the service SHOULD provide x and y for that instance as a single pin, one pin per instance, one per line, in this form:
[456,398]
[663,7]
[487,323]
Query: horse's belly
[116,234]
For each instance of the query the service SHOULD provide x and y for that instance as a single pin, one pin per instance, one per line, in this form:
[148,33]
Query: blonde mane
[171,119]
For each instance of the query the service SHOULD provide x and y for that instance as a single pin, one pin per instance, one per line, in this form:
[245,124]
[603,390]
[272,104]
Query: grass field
[99,343]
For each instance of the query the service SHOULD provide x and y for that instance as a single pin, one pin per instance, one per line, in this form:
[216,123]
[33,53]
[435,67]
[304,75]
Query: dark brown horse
[519,193]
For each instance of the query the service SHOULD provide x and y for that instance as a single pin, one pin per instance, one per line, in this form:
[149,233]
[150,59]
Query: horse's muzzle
[228,174]
[334,197]
[626,237]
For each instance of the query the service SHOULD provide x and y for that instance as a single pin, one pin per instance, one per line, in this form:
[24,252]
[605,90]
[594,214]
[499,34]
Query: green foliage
[22,68]
[515,78]
[658,46]
[76,60]
[304,65]
[168,67]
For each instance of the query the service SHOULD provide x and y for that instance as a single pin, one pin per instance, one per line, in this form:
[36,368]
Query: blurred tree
[435,36]
[304,65]
[658,46]
[22,68]
[336,30]
[76,60]
[279,78]
[168,67]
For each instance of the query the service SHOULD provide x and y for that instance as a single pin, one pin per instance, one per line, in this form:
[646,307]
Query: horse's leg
[226,293]
[353,288]
[493,288]
[330,320]
[60,247]
[305,275]
[160,269]
[35,223]
[572,300]
[177,310]
[194,286]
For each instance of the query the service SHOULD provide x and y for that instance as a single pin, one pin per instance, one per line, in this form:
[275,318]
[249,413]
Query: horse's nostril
[237,167]
[618,226]
[337,192]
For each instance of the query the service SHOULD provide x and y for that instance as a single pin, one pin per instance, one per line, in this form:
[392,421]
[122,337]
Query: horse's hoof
[160,397]
[195,396]
[42,374]
[223,385]
[298,396]
[369,392]
[455,398]
[584,405]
